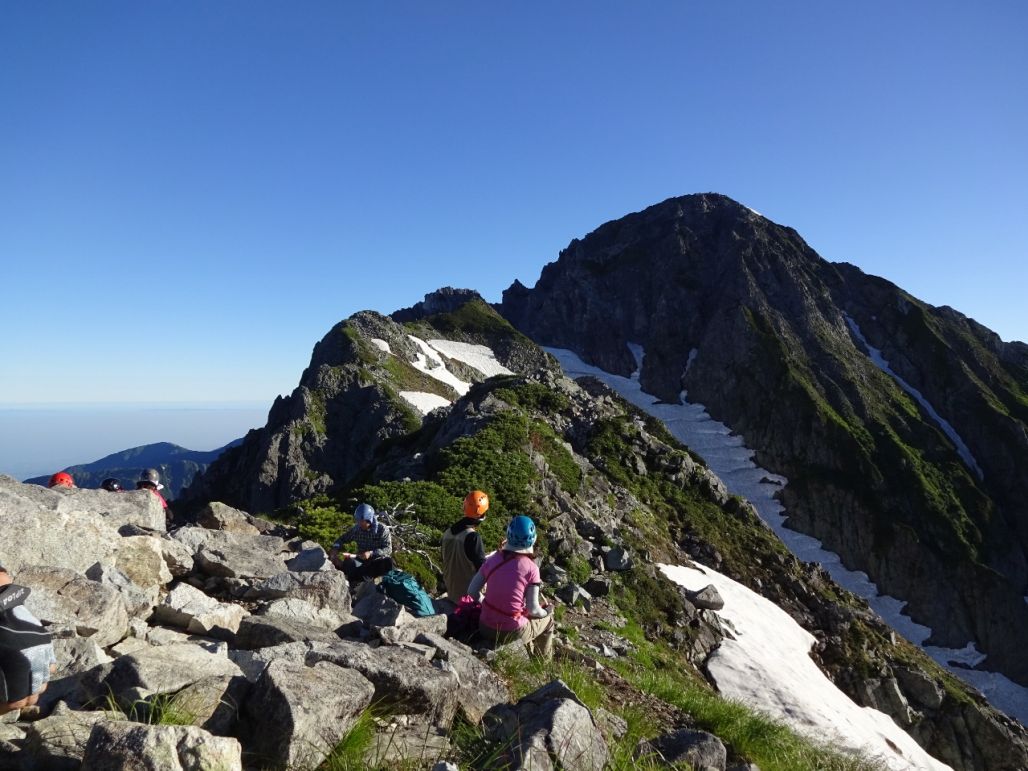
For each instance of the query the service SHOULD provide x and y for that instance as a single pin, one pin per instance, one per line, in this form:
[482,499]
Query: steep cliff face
[778,344]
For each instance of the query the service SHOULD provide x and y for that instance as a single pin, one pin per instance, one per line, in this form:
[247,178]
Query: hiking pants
[537,635]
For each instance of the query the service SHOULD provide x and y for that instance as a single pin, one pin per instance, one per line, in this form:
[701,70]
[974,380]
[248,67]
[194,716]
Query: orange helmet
[476,504]
[61,479]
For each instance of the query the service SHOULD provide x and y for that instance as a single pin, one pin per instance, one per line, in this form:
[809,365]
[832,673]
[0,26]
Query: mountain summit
[902,428]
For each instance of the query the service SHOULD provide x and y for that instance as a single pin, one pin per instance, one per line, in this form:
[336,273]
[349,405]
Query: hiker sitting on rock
[462,549]
[374,547]
[26,652]
[511,609]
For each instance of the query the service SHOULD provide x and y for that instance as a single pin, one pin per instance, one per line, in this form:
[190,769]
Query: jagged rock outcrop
[752,323]
[350,400]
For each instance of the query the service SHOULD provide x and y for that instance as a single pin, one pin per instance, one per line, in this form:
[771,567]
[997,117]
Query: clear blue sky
[193,193]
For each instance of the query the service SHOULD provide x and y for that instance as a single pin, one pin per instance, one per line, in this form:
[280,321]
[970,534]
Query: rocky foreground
[229,644]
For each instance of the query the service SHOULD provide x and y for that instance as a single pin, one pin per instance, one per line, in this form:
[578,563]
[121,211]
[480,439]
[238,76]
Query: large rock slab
[212,703]
[68,528]
[141,558]
[327,589]
[138,601]
[253,663]
[267,631]
[58,742]
[479,689]
[163,669]
[196,538]
[219,516]
[305,613]
[297,714]
[66,600]
[237,561]
[115,746]
[548,729]
[187,607]
[400,677]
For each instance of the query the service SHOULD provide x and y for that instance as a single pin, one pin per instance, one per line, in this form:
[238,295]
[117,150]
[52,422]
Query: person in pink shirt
[511,609]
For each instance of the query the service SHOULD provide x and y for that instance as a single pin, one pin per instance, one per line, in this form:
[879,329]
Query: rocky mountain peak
[444,300]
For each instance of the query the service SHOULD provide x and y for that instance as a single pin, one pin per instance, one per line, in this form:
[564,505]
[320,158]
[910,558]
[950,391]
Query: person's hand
[365,555]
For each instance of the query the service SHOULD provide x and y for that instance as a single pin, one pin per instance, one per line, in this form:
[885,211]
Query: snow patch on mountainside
[879,361]
[768,666]
[431,364]
[423,401]
[727,456]
[480,357]
[381,344]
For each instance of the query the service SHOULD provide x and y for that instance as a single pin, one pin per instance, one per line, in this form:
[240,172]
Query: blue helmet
[520,533]
[365,513]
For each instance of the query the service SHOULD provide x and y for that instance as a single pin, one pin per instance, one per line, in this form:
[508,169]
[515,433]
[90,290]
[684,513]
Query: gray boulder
[377,610]
[142,559]
[254,662]
[327,589]
[697,748]
[305,613]
[400,677]
[409,631]
[479,689]
[297,714]
[238,561]
[707,598]
[266,631]
[115,746]
[212,703]
[187,607]
[59,742]
[310,557]
[139,602]
[218,516]
[70,529]
[162,669]
[406,741]
[548,729]
[66,600]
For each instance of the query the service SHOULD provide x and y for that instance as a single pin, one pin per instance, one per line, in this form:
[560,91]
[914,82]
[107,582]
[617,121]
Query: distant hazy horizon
[39,439]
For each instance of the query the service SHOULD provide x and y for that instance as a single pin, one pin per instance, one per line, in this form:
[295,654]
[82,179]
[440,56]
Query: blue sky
[192,194]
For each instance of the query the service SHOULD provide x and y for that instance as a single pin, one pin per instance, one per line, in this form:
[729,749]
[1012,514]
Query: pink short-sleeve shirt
[509,576]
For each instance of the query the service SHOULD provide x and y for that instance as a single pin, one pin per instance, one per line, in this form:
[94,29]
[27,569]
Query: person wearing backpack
[462,550]
[374,547]
[511,609]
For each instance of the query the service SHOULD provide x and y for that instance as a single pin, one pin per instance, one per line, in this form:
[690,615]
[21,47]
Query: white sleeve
[475,587]
[532,606]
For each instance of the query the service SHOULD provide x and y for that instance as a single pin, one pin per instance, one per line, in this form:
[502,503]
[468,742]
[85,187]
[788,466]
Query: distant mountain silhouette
[177,466]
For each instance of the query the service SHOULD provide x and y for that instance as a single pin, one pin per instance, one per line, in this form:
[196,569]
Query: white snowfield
[430,363]
[727,457]
[423,401]
[879,361]
[768,665]
[480,357]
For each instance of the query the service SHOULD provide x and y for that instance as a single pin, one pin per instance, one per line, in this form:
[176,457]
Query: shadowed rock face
[871,472]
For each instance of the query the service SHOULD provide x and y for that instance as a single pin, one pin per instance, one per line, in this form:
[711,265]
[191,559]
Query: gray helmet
[150,476]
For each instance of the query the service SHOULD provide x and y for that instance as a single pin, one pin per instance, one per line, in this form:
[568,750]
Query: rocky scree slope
[614,495]
[740,313]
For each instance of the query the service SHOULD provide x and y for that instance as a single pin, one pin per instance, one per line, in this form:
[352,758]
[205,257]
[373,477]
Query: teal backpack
[405,589]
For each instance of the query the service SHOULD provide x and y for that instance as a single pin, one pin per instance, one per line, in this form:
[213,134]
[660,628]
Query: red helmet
[476,504]
[61,479]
